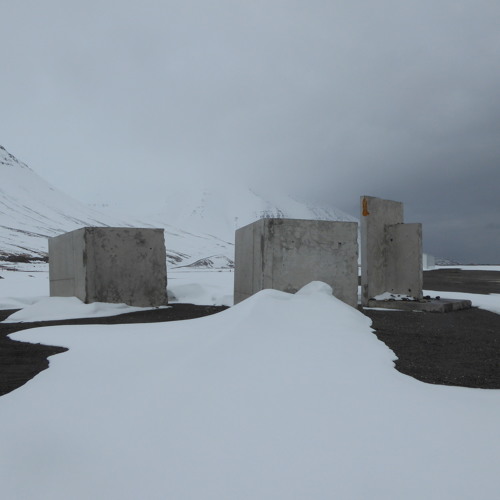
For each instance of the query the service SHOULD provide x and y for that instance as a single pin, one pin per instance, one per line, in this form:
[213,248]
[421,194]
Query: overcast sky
[120,101]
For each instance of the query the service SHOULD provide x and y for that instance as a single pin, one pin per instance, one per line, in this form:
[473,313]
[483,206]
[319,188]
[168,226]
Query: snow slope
[280,397]
[199,223]
[32,210]
[221,209]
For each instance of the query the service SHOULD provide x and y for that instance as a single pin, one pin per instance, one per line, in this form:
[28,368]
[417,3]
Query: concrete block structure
[110,264]
[286,254]
[391,251]
[428,261]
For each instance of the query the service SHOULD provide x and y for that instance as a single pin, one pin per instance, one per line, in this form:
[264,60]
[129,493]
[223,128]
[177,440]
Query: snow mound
[280,397]
[316,287]
[58,308]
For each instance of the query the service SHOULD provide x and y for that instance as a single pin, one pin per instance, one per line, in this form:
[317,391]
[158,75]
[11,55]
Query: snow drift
[282,396]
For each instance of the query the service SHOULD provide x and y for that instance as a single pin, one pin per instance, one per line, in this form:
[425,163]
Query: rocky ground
[460,348]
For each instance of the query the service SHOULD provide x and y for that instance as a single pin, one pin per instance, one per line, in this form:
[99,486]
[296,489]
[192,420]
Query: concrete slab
[286,254]
[105,264]
[432,305]
[404,259]
[391,251]
[428,261]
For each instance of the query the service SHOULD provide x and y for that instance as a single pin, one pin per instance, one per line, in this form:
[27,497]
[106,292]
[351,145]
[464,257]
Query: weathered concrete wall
[389,250]
[428,261]
[248,265]
[102,264]
[404,259]
[286,254]
[67,271]
[375,215]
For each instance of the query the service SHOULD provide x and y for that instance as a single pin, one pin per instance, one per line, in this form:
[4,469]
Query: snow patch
[59,308]
[489,302]
[393,296]
[280,397]
[316,287]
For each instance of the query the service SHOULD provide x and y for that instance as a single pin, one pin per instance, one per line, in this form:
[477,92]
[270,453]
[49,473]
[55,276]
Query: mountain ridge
[199,222]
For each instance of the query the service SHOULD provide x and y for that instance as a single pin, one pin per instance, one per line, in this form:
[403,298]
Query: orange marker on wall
[365,207]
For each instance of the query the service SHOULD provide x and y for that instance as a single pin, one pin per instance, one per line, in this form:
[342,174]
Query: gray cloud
[331,100]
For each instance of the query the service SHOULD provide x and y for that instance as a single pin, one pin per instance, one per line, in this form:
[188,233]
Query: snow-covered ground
[57,308]
[28,286]
[28,289]
[280,397]
[203,287]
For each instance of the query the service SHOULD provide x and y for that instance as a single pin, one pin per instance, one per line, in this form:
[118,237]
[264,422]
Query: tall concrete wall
[286,254]
[67,269]
[117,265]
[404,259]
[391,251]
[428,261]
[248,260]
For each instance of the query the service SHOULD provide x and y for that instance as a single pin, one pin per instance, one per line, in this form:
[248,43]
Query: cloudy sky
[328,99]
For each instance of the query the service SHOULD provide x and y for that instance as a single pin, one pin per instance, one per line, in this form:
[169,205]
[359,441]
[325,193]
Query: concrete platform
[432,305]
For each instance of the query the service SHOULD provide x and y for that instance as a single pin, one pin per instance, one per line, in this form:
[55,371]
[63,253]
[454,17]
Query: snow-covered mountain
[32,210]
[220,210]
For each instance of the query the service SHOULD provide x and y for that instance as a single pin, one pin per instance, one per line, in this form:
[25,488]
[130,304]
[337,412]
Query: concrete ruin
[391,251]
[392,262]
[110,264]
[428,261]
[286,254]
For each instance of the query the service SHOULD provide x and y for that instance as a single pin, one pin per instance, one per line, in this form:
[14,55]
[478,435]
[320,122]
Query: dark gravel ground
[456,280]
[461,348]
[458,348]
[20,361]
